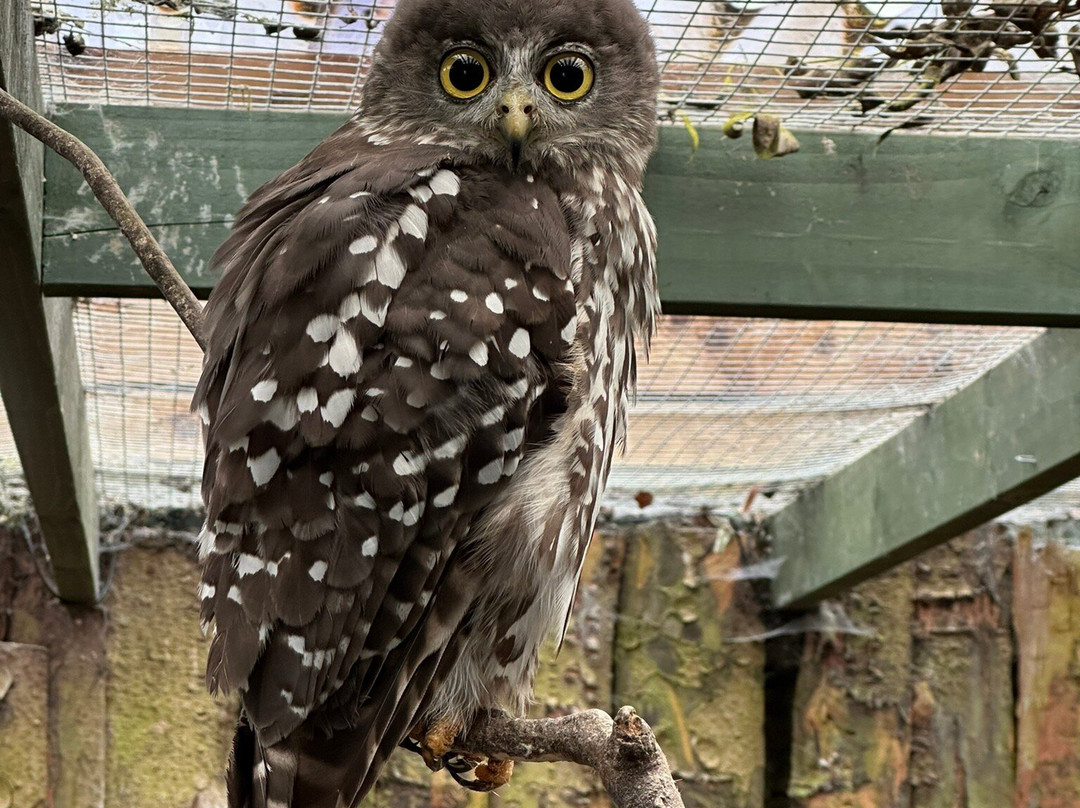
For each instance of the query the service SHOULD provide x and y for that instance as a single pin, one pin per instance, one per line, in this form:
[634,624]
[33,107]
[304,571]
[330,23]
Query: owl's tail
[258,776]
[311,769]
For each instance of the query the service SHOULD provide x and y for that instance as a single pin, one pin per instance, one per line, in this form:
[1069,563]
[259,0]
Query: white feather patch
[248,564]
[317,571]
[389,268]
[445,183]
[323,327]
[337,406]
[363,245]
[490,473]
[494,302]
[414,222]
[445,499]
[350,307]
[264,466]
[370,546]
[373,314]
[479,353]
[344,355]
[520,343]
[307,400]
[412,515]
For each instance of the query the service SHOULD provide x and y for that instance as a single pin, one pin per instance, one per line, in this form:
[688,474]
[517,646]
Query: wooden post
[679,661]
[39,374]
[1047,609]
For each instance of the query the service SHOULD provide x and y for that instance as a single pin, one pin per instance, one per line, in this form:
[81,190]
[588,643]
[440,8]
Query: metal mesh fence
[1006,67]
[732,413]
[728,408]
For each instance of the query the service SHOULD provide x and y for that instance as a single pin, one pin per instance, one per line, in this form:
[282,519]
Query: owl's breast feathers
[395,343]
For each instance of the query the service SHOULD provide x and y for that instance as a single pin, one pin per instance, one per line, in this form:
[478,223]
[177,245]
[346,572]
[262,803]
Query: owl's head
[518,82]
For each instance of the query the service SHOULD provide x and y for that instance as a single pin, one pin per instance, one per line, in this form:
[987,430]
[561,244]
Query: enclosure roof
[992,67]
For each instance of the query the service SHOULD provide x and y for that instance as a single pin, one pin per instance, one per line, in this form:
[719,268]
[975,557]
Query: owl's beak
[517,109]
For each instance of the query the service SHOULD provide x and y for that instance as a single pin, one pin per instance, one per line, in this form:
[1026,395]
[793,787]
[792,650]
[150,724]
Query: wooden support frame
[1010,436]
[921,229]
[39,374]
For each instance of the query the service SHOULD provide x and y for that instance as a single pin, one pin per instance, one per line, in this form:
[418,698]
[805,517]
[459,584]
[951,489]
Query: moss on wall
[24,751]
[675,661]
[167,739]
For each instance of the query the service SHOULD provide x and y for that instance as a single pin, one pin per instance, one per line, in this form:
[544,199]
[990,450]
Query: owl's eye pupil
[567,75]
[466,73]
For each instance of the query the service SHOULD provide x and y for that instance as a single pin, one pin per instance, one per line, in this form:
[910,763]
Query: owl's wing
[385,346]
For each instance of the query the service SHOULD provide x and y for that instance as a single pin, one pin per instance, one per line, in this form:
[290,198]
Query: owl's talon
[433,742]
[487,776]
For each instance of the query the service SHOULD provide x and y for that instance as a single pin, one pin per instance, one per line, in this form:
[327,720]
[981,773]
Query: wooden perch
[623,751]
[116,204]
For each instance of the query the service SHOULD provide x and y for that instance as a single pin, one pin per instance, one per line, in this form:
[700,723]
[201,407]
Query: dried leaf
[771,139]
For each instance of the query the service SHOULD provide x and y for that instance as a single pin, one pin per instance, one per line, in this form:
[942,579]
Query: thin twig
[116,204]
[623,751]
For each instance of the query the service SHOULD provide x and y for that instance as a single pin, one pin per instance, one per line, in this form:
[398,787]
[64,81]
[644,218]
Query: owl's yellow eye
[568,76]
[464,74]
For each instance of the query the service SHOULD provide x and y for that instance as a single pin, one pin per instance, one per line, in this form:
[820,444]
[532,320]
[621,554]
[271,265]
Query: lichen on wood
[701,693]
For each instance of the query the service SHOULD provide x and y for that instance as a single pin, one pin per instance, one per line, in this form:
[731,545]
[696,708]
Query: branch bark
[623,751]
[116,204]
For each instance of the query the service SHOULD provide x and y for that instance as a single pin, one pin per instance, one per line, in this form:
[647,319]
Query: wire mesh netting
[730,413]
[998,67]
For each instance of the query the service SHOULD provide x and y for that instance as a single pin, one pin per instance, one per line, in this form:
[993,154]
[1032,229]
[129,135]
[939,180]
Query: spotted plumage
[420,358]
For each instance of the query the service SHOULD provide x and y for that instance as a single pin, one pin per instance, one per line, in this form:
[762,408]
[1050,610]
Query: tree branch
[623,751]
[116,204]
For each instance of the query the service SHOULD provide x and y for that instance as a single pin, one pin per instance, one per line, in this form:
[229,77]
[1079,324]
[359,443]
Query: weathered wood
[962,707]
[850,742]
[24,751]
[39,374]
[972,230]
[1047,619]
[917,710]
[1008,437]
[678,659]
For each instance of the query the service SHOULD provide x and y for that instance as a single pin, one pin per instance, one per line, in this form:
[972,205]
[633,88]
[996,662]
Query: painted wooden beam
[39,374]
[1010,436]
[969,230]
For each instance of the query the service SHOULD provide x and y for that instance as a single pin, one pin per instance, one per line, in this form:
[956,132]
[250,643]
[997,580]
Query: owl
[420,357]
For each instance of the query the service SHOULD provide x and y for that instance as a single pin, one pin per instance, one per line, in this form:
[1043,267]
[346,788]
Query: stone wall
[952,682]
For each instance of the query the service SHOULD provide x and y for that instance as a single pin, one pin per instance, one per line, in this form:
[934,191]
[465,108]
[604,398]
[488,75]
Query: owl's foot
[486,776]
[434,741]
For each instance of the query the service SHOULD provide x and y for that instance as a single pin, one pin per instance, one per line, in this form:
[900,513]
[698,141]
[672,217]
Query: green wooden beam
[39,374]
[1010,436]
[970,230]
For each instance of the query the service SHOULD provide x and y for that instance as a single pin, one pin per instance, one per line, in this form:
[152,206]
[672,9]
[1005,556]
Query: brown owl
[420,358]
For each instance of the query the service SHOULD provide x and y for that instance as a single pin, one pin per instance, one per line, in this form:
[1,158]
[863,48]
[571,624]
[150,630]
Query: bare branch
[623,751]
[116,204]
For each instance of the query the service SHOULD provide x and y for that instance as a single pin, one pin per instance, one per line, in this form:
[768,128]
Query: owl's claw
[433,742]
[487,776]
